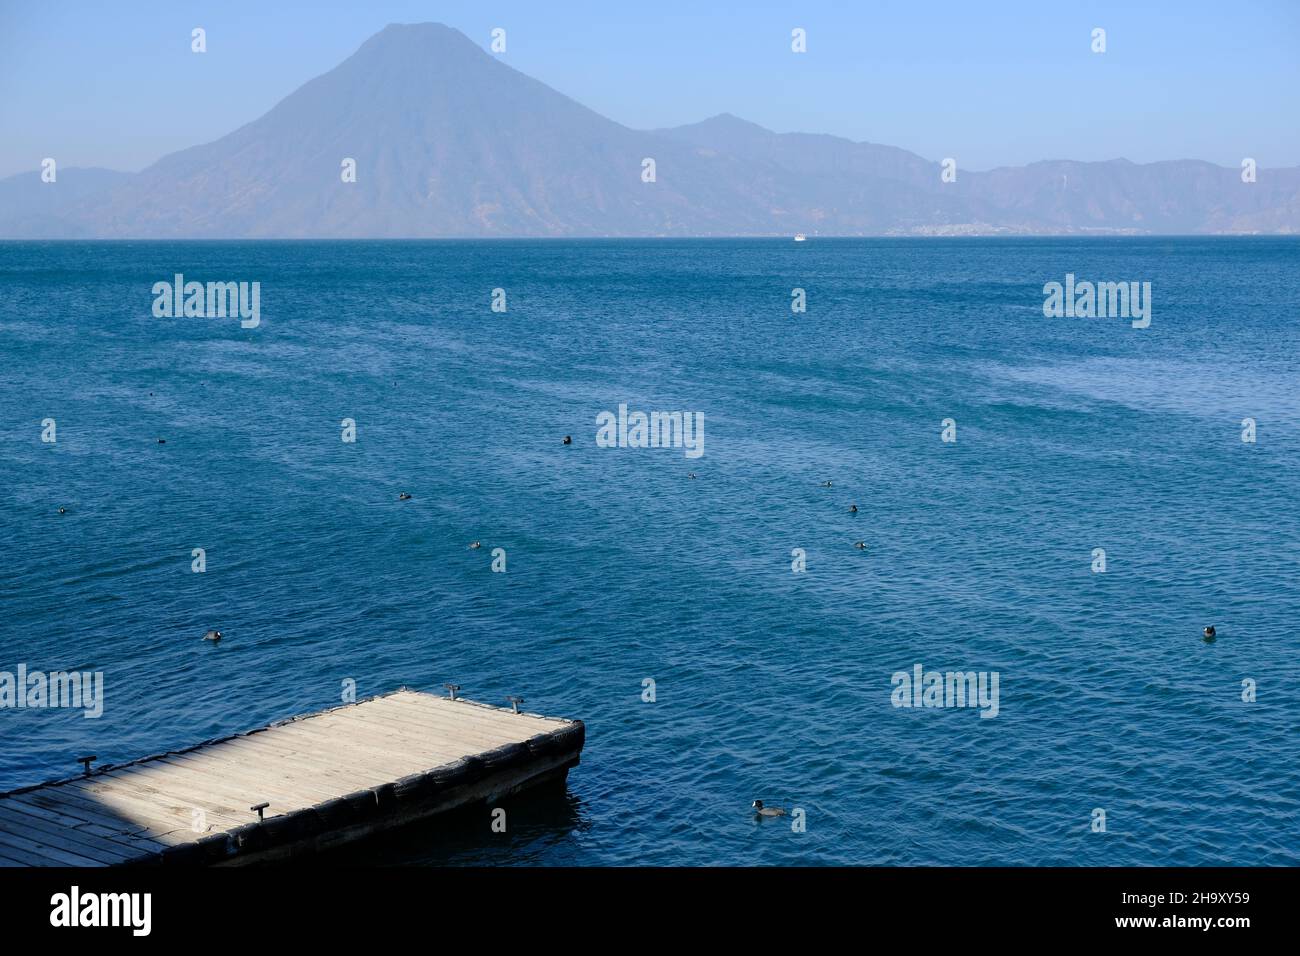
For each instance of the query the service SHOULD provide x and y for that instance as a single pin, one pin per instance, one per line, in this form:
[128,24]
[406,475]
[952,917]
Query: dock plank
[322,756]
[44,853]
[345,764]
[167,795]
[211,789]
[72,803]
[381,747]
[464,738]
[469,730]
[262,777]
[318,760]
[90,843]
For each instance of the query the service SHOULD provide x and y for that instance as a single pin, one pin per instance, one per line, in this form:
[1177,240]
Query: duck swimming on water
[403,497]
[1209,634]
[762,811]
[853,509]
[475,545]
[568,439]
[212,636]
[861,546]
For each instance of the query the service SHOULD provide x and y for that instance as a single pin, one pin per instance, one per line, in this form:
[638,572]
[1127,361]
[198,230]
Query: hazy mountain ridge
[450,141]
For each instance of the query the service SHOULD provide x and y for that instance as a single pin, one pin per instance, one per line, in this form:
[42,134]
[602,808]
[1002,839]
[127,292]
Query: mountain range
[449,141]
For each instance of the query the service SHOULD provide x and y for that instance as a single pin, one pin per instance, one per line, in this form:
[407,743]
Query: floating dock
[292,789]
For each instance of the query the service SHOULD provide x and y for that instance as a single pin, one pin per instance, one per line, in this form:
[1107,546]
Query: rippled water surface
[1073,434]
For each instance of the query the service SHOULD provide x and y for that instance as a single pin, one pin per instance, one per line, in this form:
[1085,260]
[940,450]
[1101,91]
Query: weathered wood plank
[70,802]
[121,792]
[470,715]
[371,746]
[471,730]
[44,853]
[322,762]
[250,774]
[341,763]
[89,843]
[213,790]
[463,738]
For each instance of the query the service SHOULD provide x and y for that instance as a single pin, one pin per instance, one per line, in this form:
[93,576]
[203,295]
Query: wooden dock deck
[327,779]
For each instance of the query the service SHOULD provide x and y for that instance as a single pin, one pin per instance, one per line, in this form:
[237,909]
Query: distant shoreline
[729,238]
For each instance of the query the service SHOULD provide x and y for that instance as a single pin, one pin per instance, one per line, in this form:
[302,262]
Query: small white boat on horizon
[800,237]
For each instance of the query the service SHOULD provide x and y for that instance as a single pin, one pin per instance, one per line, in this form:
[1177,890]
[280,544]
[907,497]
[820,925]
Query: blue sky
[115,84]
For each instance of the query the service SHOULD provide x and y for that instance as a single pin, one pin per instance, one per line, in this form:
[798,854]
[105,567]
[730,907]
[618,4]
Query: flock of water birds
[213,636]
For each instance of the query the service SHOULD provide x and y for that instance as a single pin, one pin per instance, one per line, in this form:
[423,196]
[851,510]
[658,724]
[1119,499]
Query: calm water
[1073,434]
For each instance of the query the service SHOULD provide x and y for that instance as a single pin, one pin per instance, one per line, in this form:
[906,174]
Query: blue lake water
[1072,434]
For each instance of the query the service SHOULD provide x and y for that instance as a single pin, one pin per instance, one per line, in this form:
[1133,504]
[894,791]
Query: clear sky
[95,83]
